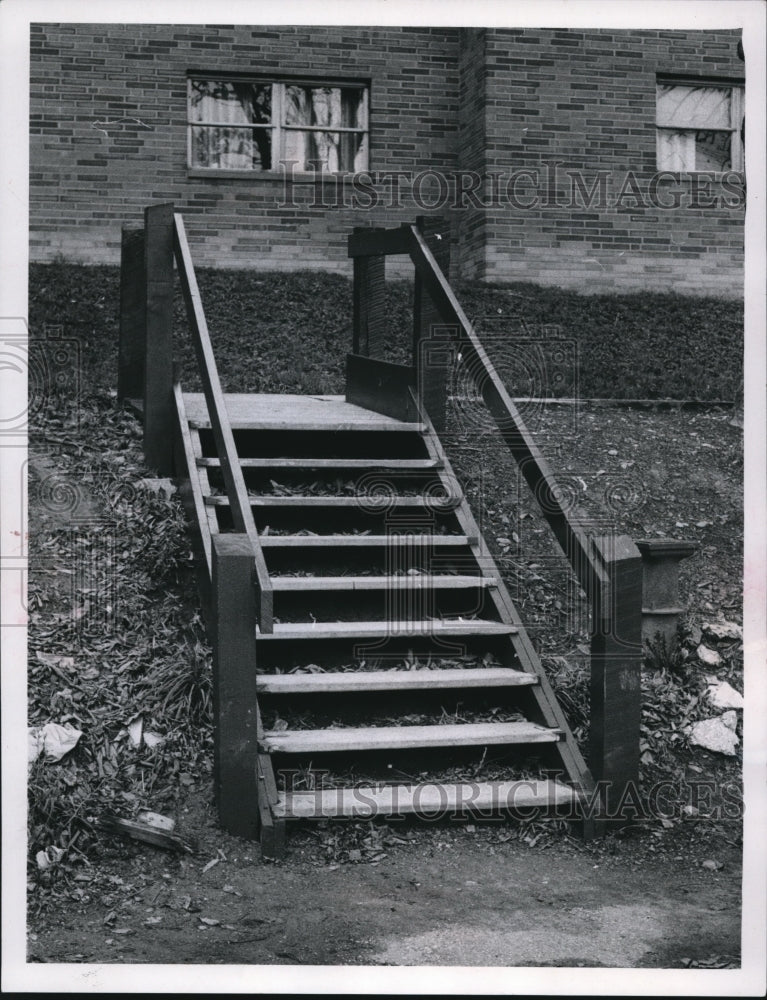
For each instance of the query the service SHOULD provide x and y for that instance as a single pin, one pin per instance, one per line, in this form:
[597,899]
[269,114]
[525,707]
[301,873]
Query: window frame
[277,126]
[736,88]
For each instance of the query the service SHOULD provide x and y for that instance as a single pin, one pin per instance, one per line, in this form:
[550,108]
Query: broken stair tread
[435,797]
[369,504]
[384,629]
[406,737]
[393,680]
[415,581]
[409,464]
[291,412]
[360,541]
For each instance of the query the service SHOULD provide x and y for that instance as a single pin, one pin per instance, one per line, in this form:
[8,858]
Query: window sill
[675,176]
[263,176]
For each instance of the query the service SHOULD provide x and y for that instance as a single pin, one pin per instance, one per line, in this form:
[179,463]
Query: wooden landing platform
[275,411]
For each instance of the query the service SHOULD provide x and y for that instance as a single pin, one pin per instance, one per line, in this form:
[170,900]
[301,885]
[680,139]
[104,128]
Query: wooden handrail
[608,567]
[242,514]
[575,541]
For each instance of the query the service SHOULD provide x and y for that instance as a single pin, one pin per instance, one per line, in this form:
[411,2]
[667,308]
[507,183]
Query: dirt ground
[449,894]
[445,894]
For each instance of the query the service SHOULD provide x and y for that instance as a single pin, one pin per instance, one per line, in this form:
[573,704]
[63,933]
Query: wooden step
[393,680]
[362,541]
[291,412]
[423,799]
[373,503]
[384,629]
[406,737]
[415,581]
[401,464]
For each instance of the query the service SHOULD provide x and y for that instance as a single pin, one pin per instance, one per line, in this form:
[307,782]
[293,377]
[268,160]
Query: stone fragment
[708,656]
[716,734]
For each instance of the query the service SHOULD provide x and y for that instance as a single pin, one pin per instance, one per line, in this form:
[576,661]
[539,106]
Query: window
[699,127]
[258,125]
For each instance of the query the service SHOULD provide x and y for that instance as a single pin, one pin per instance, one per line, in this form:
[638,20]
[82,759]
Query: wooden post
[616,664]
[432,349]
[235,711]
[660,586]
[158,369]
[369,305]
[130,357]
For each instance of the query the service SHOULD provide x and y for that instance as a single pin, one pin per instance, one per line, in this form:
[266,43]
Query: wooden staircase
[385,600]
[368,659]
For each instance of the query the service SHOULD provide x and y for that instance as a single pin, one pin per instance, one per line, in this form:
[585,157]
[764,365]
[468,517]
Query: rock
[716,734]
[712,866]
[708,656]
[723,695]
[722,630]
[694,637]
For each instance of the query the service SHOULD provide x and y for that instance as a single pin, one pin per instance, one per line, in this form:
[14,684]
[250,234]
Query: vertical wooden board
[380,386]
[158,371]
[369,306]
[234,684]
[272,831]
[615,686]
[132,342]
[433,341]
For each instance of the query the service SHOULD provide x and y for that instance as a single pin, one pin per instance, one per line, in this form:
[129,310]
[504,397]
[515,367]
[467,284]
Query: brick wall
[585,102]
[450,108]
[87,177]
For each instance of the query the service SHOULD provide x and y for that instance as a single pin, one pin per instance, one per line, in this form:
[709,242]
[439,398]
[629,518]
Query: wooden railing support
[616,674]
[660,586]
[235,711]
[369,305]
[158,353]
[434,342]
[223,436]
[132,337]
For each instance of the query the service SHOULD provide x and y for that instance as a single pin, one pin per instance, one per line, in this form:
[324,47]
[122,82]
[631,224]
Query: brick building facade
[596,159]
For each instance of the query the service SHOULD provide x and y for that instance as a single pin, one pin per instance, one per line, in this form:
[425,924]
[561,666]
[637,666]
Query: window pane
[712,151]
[327,106]
[230,102]
[686,150]
[231,148]
[676,151]
[693,107]
[325,152]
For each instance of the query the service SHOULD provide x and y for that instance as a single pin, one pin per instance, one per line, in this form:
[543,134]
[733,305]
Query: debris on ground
[710,657]
[162,487]
[49,857]
[723,695]
[149,832]
[53,740]
[722,631]
[716,734]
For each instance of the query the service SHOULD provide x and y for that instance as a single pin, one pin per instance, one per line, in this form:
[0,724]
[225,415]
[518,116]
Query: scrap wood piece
[148,833]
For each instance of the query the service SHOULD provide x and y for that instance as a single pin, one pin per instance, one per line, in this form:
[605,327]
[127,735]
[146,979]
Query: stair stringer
[551,713]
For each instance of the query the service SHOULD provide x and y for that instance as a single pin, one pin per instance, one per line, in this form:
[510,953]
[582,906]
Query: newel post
[616,675]
[235,714]
[158,329]
[660,586]
[433,341]
[130,354]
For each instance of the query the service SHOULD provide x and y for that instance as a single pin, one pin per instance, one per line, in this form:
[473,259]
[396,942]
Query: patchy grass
[291,332]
